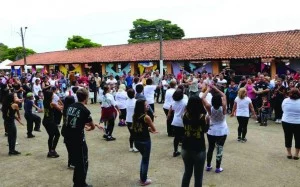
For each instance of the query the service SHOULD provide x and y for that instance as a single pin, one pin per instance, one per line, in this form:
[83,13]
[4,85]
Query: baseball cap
[30,94]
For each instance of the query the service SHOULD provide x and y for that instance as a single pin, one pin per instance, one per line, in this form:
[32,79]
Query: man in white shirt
[112,82]
[193,85]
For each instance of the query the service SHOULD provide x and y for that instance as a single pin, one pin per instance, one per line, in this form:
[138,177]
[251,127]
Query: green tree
[76,42]
[3,51]
[17,53]
[145,31]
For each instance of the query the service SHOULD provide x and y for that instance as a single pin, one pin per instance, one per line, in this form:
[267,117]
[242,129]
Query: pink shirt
[250,92]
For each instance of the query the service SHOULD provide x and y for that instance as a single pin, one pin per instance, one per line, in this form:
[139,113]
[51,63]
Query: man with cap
[31,117]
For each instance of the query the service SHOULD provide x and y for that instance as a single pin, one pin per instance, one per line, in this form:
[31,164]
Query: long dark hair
[105,89]
[67,102]
[139,110]
[195,107]
[47,97]
[7,101]
[216,101]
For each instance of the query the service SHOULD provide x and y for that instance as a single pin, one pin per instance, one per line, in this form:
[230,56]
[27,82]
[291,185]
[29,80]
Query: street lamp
[160,30]
[24,50]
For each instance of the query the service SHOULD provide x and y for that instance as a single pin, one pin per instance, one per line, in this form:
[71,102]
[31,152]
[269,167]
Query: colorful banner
[110,71]
[63,69]
[146,66]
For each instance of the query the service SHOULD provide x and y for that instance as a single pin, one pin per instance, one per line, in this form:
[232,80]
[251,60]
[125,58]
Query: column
[273,68]
[82,69]
[169,67]
[216,67]
[103,68]
[132,68]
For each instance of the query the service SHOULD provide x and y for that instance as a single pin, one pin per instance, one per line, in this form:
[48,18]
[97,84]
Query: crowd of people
[195,104]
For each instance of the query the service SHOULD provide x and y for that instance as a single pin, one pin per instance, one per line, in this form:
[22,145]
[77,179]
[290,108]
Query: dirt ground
[259,162]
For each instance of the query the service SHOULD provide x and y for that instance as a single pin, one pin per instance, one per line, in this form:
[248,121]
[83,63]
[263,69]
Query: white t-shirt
[134,85]
[130,104]
[169,98]
[52,82]
[36,89]
[121,98]
[164,84]
[178,107]
[108,100]
[55,98]
[208,97]
[242,106]
[114,81]
[218,125]
[291,111]
[149,91]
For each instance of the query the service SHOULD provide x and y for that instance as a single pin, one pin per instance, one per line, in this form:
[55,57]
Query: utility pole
[24,50]
[160,31]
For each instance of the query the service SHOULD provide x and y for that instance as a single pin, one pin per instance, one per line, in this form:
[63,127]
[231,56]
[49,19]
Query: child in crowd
[232,91]
[121,97]
[30,117]
[40,100]
[264,111]
[130,104]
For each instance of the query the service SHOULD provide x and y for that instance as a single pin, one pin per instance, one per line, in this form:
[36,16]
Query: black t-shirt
[16,87]
[140,129]
[193,139]
[26,90]
[77,116]
[260,86]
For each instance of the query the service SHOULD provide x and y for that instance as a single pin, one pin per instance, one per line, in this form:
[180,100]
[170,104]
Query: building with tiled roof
[219,51]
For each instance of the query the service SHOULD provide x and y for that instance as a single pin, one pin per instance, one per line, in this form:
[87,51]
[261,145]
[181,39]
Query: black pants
[32,118]
[278,109]
[157,93]
[53,133]
[150,113]
[258,103]
[79,155]
[243,123]
[163,94]
[219,142]
[123,114]
[110,124]
[170,129]
[129,126]
[179,133]
[290,131]
[5,127]
[231,103]
[57,116]
[12,135]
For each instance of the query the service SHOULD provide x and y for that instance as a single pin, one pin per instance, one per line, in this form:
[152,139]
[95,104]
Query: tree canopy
[13,53]
[145,31]
[76,42]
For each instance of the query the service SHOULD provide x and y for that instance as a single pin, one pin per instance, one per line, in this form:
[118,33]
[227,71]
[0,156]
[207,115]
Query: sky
[51,22]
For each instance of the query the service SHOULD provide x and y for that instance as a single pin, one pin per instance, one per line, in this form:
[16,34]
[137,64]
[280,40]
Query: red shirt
[179,76]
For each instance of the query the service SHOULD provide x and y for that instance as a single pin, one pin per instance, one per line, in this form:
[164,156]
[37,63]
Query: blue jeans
[145,149]
[40,103]
[193,161]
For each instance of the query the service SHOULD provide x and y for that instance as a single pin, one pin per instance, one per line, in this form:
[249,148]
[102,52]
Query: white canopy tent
[4,65]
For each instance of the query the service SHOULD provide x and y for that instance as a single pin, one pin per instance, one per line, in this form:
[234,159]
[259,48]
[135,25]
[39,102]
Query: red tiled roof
[283,44]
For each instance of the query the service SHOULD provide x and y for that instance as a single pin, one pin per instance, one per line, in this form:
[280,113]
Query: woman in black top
[93,88]
[46,84]
[141,125]
[49,123]
[9,109]
[18,90]
[193,144]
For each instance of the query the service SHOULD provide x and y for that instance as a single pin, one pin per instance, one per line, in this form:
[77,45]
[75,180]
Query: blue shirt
[232,92]
[28,106]
[129,80]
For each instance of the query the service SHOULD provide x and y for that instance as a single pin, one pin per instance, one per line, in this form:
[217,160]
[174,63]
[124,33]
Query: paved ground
[259,162]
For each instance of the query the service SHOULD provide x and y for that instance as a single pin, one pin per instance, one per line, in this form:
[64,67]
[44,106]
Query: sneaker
[256,121]
[277,121]
[12,153]
[6,134]
[130,149]
[70,166]
[175,154]
[219,170]
[244,140]
[147,182]
[53,154]
[104,136]
[135,150]
[30,136]
[110,138]
[208,168]
[239,139]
